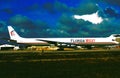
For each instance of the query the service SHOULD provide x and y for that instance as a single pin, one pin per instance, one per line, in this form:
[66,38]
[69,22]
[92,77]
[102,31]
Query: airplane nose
[117,39]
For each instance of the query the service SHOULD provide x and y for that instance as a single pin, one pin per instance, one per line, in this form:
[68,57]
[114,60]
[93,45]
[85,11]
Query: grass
[87,65]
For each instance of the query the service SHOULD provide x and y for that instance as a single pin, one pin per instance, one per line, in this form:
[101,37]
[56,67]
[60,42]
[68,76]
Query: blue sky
[54,18]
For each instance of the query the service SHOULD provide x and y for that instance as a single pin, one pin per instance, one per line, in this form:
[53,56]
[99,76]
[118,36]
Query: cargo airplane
[64,42]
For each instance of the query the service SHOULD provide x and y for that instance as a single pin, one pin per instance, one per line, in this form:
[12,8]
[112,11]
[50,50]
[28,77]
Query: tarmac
[61,64]
[36,56]
[55,51]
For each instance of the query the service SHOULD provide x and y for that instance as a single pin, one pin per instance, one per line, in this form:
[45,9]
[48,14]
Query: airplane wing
[62,44]
[48,41]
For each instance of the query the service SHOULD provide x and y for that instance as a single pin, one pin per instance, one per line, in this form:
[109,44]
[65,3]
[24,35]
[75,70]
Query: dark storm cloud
[29,23]
[48,6]
[114,2]
[61,7]
[22,21]
[2,24]
[68,26]
[3,29]
[33,7]
[109,26]
[71,27]
[87,8]
[27,27]
[111,12]
[6,10]
[81,28]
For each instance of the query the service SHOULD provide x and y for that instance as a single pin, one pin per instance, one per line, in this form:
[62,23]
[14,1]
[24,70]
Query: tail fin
[13,34]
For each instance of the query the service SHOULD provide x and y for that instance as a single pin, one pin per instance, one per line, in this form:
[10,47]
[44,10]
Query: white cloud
[93,18]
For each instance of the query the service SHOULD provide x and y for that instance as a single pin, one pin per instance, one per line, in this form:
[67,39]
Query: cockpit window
[113,39]
[116,35]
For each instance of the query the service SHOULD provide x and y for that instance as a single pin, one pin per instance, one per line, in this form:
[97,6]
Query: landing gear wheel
[60,49]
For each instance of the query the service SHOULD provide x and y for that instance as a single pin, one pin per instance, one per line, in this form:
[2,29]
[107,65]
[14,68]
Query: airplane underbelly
[97,43]
[34,43]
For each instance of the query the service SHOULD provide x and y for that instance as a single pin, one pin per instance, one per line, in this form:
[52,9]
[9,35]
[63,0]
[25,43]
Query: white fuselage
[63,41]
[80,41]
